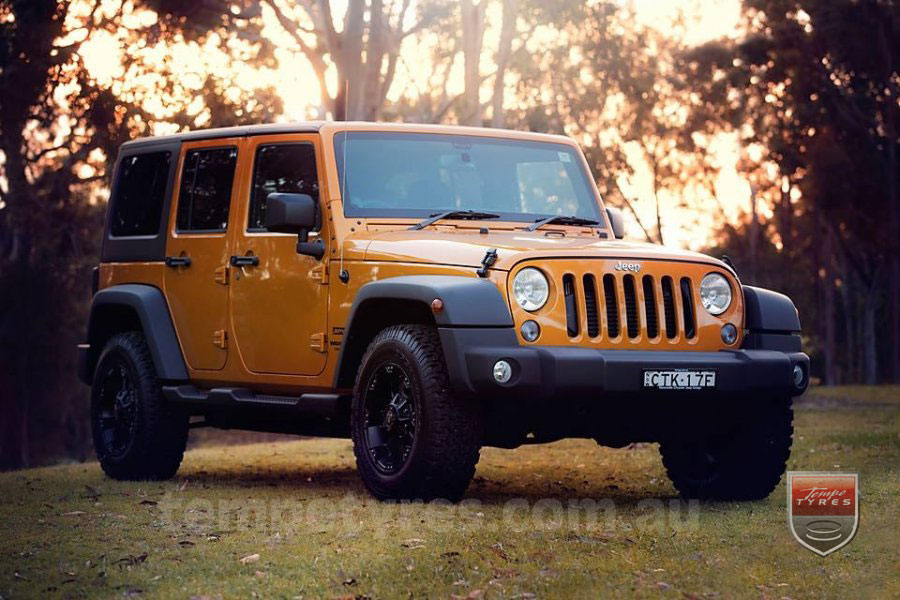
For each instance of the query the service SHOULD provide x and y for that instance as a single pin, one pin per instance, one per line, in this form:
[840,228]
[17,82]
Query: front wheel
[412,437]
[743,460]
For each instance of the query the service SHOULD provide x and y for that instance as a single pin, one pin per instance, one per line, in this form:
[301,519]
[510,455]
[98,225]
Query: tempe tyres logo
[823,509]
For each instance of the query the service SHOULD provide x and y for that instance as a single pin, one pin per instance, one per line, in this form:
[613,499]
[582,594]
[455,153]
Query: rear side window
[287,168]
[140,194]
[205,193]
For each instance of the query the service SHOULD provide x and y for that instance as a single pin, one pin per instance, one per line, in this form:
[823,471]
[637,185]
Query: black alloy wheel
[117,397]
[390,417]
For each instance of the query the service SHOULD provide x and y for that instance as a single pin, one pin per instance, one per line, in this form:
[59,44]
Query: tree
[363,53]
[814,84]
[60,127]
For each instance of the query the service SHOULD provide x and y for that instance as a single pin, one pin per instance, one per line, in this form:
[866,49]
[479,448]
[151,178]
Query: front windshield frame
[576,171]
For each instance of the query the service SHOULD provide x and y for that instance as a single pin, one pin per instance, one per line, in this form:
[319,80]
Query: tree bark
[504,52]
[472,16]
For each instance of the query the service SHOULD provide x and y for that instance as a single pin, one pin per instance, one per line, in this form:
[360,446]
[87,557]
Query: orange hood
[467,247]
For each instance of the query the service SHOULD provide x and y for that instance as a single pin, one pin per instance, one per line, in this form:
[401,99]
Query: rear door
[196,250]
[278,297]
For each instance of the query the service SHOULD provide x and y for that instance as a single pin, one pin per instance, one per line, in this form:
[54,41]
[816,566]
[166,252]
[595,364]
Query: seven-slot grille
[630,306]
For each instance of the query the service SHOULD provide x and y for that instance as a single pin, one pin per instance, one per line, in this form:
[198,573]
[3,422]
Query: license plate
[680,379]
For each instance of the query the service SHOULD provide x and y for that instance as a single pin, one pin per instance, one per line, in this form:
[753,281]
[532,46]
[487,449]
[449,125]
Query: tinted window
[417,175]
[205,193]
[289,168]
[140,191]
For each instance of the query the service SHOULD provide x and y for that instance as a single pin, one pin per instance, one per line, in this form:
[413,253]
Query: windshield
[420,174]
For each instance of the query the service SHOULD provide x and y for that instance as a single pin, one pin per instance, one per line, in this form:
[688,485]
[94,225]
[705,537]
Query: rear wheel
[743,461]
[412,437]
[137,435]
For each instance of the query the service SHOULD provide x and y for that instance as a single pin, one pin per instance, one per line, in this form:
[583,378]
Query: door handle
[178,261]
[244,261]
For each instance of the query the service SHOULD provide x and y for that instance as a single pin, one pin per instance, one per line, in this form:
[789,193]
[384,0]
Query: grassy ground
[290,519]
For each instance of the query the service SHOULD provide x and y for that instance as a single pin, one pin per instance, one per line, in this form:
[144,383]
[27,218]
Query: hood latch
[490,257]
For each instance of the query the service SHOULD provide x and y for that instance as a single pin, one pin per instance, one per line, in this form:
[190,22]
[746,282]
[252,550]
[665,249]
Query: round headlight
[531,289]
[715,294]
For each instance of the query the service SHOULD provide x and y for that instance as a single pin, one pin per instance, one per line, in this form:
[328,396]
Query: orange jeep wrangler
[426,291]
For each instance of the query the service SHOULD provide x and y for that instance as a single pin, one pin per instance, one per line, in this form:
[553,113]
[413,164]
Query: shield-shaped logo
[823,509]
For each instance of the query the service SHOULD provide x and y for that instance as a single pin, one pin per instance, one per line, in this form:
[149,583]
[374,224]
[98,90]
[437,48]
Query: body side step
[325,405]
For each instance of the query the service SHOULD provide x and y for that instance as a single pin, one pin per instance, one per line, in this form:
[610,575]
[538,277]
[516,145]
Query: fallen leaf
[259,574]
[250,558]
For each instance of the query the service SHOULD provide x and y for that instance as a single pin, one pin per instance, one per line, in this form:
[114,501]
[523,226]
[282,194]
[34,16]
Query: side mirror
[295,213]
[617,221]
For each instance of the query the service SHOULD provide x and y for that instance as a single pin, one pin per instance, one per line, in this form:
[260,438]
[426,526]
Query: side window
[289,168]
[205,193]
[140,194]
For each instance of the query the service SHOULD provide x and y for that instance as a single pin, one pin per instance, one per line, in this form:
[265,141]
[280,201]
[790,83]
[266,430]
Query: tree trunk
[14,315]
[472,16]
[870,352]
[350,65]
[504,51]
[375,47]
[827,316]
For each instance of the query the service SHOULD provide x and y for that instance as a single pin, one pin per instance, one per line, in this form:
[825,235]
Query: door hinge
[222,275]
[318,342]
[220,338]
[320,273]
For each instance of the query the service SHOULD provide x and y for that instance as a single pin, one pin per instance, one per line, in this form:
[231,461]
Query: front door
[278,297]
[197,252]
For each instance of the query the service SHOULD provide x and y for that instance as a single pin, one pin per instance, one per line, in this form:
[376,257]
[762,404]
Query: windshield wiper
[562,220]
[454,214]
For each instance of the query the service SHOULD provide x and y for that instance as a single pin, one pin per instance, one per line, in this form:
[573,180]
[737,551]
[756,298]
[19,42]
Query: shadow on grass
[344,480]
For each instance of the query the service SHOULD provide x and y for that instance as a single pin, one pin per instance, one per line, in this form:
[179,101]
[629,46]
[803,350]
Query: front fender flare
[468,302]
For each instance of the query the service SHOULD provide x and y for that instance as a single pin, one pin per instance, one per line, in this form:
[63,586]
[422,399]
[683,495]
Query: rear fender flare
[150,307]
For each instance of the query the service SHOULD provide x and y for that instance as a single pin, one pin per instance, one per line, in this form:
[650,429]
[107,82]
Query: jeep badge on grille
[626,266]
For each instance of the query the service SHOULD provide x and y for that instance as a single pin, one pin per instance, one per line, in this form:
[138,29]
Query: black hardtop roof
[224,132]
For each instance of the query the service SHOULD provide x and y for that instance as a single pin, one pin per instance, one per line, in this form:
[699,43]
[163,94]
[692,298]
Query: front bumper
[553,371]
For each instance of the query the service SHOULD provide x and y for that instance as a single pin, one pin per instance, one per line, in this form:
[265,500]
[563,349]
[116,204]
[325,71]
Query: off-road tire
[448,435]
[160,430]
[742,461]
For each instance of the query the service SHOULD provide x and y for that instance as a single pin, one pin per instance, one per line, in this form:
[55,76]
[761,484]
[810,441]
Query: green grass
[67,531]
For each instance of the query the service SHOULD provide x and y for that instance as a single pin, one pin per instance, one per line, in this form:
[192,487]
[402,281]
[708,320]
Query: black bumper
[553,371]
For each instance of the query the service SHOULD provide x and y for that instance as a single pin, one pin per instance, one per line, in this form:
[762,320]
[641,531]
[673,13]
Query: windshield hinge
[490,257]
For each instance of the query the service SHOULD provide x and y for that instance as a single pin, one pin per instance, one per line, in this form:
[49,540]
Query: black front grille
[687,305]
[631,309]
[590,305]
[669,307]
[612,305]
[654,304]
[571,306]
[650,307]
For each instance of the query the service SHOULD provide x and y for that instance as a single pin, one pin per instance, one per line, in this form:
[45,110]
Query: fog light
[799,376]
[530,330]
[502,371]
[729,333]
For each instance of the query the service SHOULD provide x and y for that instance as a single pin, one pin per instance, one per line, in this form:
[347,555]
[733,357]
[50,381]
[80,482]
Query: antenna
[343,274]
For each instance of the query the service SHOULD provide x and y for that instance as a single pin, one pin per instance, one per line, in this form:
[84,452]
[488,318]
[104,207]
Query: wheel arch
[130,307]
[468,302]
